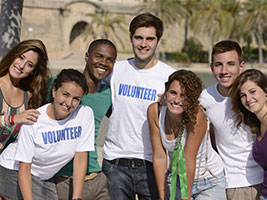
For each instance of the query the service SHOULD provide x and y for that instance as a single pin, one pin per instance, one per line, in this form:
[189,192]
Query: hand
[162,99]
[27,116]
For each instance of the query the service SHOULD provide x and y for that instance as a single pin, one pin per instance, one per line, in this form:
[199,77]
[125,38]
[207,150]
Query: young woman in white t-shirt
[64,130]
[182,123]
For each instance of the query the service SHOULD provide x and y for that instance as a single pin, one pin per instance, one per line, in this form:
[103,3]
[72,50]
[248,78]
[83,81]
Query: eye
[21,57]
[77,99]
[30,64]
[217,64]
[241,95]
[252,91]
[65,94]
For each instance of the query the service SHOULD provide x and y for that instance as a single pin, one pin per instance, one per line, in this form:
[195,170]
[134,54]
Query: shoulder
[166,67]
[152,110]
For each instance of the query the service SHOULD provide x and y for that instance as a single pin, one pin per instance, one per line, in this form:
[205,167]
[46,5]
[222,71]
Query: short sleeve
[87,139]
[26,146]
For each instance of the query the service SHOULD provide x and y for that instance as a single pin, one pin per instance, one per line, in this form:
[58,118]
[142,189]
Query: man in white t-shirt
[134,84]
[243,174]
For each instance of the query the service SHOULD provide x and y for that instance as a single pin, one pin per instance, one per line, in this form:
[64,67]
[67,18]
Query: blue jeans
[209,188]
[263,197]
[168,187]
[126,182]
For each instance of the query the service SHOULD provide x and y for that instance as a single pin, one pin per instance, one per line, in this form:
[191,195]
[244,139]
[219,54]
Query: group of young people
[190,144]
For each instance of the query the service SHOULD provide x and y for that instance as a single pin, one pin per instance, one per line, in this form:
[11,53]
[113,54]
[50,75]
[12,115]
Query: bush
[176,57]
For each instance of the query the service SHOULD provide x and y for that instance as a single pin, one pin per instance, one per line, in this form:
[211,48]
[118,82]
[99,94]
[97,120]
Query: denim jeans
[168,187]
[209,188]
[263,197]
[126,182]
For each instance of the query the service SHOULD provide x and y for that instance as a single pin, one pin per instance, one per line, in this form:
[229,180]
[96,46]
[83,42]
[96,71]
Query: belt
[91,176]
[128,162]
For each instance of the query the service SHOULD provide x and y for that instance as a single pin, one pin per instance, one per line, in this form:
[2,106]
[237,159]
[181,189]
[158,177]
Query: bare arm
[159,153]
[25,180]
[79,170]
[192,144]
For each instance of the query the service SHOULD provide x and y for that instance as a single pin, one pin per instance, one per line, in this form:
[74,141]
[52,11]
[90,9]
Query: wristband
[12,120]
[3,120]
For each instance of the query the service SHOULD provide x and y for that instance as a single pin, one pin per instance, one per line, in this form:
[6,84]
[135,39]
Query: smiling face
[226,67]
[100,62]
[175,98]
[66,99]
[144,43]
[253,98]
[23,65]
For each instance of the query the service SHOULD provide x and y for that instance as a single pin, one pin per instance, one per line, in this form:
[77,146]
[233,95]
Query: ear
[242,66]
[86,57]
[131,38]
[211,67]
[53,92]
[159,41]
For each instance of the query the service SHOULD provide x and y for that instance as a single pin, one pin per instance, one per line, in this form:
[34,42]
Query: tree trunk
[10,24]
[260,39]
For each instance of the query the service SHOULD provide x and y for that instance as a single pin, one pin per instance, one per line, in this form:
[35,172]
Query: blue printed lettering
[153,97]
[121,88]
[50,137]
[44,137]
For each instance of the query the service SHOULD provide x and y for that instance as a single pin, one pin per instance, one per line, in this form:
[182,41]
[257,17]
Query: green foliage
[251,54]
[195,52]
[176,56]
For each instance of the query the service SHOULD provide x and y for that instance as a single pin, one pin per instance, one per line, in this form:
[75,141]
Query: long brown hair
[241,113]
[192,88]
[36,82]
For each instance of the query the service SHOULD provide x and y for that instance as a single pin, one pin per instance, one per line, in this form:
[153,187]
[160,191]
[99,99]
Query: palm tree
[169,11]
[104,25]
[256,17]
[213,20]
[10,24]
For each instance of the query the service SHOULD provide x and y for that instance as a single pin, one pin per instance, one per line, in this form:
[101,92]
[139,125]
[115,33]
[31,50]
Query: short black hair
[93,45]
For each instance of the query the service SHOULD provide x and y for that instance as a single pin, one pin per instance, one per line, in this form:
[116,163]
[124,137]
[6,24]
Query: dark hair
[97,42]
[36,82]
[241,113]
[147,20]
[69,75]
[192,87]
[225,46]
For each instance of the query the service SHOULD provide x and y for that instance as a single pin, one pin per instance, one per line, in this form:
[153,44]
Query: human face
[175,98]
[226,67]
[253,98]
[100,62]
[144,44]
[23,65]
[66,99]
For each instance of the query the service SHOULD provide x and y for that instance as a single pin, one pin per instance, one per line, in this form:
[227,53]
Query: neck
[145,64]
[93,86]
[226,92]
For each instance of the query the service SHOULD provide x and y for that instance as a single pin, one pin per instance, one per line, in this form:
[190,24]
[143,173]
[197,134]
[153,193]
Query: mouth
[18,70]
[249,105]
[224,78]
[101,70]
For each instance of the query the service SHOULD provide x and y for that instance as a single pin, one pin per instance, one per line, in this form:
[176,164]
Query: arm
[159,153]
[79,170]
[25,180]
[193,141]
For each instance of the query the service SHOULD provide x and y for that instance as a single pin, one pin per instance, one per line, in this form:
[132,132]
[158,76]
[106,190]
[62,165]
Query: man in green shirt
[100,60]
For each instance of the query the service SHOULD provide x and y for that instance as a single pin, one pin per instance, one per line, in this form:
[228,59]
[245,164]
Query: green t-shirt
[100,103]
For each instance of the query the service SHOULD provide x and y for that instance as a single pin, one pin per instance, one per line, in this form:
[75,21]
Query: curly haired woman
[180,130]
[249,101]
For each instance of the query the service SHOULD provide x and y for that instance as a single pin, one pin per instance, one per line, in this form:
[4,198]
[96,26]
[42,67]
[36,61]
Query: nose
[223,69]
[68,102]
[143,43]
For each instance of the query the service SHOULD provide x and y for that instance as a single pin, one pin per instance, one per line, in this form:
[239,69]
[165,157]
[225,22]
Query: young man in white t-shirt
[243,174]
[134,84]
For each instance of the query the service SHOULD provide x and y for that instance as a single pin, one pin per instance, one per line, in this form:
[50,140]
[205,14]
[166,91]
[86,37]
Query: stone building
[59,23]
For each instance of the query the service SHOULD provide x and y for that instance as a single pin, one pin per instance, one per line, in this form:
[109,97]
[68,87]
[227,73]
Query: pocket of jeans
[106,167]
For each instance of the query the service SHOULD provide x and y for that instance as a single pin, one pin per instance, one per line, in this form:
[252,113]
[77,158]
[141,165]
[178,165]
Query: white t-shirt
[214,162]
[133,90]
[50,144]
[234,145]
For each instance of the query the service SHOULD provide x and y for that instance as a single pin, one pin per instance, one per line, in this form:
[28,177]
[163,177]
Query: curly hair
[36,82]
[192,87]
[241,113]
